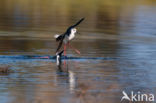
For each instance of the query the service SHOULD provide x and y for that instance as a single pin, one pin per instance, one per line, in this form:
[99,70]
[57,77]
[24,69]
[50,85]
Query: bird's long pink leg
[65,50]
[77,51]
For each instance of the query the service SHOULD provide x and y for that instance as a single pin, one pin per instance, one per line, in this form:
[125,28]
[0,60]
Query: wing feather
[60,44]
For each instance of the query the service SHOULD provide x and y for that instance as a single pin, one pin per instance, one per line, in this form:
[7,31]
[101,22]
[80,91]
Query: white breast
[71,36]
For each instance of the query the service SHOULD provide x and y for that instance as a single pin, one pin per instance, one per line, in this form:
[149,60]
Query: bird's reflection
[64,75]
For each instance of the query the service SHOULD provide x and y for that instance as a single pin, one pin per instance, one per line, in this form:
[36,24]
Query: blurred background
[122,32]
[104,19]
[102,16]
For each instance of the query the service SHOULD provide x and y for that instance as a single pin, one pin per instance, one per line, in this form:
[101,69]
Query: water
[116,41]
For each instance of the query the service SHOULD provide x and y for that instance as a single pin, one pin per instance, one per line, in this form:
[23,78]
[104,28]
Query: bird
[67,36]
[58,58]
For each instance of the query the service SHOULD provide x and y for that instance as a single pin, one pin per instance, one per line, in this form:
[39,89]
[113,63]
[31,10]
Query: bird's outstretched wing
[67,33]
[78,22]
[60,44]
[69,29]
[61,52]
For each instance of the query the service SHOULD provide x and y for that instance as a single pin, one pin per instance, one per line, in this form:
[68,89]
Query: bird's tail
[58,37]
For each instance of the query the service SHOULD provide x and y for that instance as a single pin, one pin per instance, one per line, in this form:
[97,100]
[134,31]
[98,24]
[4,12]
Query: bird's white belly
[71,36]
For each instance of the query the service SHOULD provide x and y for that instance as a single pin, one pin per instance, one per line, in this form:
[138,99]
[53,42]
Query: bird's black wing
[61,52]
[68,32]
[78,22]
[69,29]
[60,44]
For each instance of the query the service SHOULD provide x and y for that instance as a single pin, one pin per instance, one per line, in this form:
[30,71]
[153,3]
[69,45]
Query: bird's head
[73,30]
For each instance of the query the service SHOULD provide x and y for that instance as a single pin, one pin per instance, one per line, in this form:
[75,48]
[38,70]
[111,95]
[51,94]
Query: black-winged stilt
[67,36]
